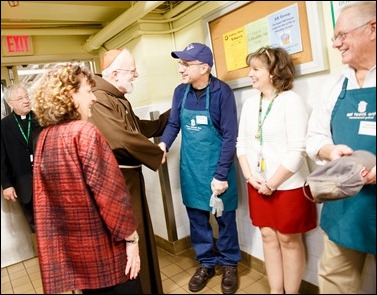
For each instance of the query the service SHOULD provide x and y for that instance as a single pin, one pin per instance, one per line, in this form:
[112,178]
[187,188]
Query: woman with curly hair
[85,224]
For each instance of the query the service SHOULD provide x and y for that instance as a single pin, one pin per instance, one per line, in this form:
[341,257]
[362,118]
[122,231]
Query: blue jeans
[227,251]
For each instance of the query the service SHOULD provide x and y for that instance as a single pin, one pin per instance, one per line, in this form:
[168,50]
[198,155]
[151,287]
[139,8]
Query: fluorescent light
[31,72]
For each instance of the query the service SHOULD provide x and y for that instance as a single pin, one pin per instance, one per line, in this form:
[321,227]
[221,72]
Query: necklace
[258,135]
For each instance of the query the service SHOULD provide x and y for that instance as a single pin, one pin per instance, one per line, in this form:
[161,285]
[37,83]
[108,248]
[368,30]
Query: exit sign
[17,45]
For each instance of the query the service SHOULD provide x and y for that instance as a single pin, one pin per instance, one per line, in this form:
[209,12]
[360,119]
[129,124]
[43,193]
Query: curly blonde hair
[53,99]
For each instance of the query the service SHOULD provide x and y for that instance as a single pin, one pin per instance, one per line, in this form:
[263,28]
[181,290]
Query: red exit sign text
[17,45]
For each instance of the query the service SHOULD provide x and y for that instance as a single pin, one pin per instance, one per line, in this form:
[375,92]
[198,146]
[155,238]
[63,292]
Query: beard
[129,87]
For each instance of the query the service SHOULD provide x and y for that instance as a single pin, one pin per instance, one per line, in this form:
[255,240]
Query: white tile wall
[16,244]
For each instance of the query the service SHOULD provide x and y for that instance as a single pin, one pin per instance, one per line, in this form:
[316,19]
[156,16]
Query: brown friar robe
[82,209]
[129,136]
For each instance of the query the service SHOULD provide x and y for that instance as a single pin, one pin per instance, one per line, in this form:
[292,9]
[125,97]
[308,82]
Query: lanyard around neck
[259,134]
[28,128]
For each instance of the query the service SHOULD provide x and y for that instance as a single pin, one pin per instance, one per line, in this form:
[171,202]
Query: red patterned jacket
[82,209]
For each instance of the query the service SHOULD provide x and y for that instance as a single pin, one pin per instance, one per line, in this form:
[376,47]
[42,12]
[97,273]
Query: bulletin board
[241,20]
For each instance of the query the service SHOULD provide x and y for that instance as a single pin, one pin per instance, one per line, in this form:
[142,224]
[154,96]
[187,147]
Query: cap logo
[190,46]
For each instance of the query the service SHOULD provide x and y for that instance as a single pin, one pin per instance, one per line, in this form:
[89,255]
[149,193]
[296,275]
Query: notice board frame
[236,14]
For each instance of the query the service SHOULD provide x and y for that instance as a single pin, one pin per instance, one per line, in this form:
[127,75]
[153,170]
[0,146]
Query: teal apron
[351,222]
[200,152]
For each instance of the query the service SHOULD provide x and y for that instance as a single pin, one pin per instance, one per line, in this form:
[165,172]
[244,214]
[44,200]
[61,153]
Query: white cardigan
[284,132]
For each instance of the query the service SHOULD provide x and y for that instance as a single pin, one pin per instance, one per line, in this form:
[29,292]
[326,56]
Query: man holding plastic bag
[204,110]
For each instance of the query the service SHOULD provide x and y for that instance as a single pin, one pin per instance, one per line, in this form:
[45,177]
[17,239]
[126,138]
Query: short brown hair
[279,64]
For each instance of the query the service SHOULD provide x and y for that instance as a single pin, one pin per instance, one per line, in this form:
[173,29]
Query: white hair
[8,91]
[363,10]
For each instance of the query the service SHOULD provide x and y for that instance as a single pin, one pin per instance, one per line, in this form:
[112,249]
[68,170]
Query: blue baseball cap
[195,51]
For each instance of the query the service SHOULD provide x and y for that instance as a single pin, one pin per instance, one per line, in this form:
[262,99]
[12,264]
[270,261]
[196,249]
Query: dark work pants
[201,234]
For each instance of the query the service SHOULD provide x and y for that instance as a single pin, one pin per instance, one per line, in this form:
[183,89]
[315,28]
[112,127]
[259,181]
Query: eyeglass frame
[20,98]
[186,65]
[131,71]
[343,35]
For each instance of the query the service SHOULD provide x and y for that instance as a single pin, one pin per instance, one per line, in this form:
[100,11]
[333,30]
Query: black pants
[29,214]
[129,287]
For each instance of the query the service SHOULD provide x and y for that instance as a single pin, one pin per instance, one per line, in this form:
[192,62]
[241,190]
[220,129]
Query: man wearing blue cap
[204,109]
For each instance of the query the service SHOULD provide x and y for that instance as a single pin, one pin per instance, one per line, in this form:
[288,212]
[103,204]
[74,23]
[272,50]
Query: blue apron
[200,152]
[351,222]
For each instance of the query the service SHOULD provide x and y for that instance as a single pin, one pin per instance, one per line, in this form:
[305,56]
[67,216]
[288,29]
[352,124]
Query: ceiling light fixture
[13,3]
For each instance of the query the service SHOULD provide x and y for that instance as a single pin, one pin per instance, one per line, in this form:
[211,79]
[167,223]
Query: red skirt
[287,211]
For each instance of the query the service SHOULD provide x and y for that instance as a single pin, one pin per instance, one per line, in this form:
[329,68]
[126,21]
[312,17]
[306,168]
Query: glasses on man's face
[185,65]
[341,36]
[20,98]
[131,71]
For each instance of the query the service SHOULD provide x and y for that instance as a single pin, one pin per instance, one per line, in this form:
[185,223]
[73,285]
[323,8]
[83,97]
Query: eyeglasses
[343,35]
[131,71]
[20,98]
[185,65]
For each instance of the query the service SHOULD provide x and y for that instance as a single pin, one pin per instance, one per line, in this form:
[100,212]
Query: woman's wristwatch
[134,239]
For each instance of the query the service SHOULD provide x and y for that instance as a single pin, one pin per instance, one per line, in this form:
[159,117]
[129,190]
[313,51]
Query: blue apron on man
[200,152]
[351,222]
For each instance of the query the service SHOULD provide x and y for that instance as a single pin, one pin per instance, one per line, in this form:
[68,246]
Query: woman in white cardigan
[271,152]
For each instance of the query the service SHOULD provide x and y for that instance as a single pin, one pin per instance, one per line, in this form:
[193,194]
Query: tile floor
[176,271]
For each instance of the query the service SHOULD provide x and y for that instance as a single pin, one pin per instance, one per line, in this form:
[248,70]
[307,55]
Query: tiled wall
[16,244]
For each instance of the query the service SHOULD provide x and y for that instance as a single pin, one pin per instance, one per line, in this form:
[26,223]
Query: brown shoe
[200,278]
[229,282]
